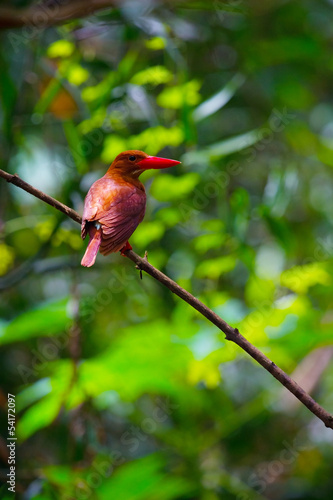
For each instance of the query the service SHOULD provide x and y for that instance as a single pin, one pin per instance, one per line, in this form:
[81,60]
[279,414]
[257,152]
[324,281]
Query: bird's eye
[132,158]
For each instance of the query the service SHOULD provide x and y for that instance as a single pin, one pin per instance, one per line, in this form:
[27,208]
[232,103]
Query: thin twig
[231,333]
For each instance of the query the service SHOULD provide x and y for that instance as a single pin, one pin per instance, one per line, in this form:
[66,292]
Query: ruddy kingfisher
[115,204]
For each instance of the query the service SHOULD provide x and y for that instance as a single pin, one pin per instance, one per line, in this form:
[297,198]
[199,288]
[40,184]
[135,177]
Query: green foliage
[152,140]
[300,278]
[178,96]
[47,319]
[154,75]
[146,356]
[138,480]
[213,268]
[44,411]
[61,48]
[143,479]
[122,390]
[166,188]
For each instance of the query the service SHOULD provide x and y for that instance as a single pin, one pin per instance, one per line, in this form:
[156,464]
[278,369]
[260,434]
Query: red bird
[115,204]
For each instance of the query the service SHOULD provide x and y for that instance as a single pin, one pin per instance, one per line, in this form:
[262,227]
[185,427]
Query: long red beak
[156,162]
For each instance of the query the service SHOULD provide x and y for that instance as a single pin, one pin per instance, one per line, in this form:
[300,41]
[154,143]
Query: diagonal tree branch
[15,179]
[231,333]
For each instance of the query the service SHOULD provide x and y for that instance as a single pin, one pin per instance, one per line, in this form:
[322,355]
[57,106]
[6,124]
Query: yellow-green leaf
[61,48]
[154,75]
[167,187]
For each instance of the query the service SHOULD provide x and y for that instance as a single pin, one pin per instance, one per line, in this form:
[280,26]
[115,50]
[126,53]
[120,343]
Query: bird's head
[134,162]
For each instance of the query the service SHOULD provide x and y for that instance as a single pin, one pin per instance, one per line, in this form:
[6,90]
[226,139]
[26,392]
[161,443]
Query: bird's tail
[93,246]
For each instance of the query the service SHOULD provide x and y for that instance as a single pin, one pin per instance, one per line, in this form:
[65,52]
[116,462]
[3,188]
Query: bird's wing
[118,207]
[103,195]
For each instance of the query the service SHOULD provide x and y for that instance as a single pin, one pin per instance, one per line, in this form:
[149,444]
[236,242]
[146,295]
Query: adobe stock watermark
[218,181]
[304,272]
[103,467]
[42,13]
[268,472]
[49,347]
[74,156]
[223,8]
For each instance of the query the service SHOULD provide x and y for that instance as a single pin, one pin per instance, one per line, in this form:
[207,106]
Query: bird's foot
[127,246]
[138,266]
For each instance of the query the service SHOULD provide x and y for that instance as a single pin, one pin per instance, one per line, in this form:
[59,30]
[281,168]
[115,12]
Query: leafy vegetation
[122,390]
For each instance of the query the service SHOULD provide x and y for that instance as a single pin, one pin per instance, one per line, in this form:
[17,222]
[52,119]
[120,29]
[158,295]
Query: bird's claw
[126,247]
[138,266]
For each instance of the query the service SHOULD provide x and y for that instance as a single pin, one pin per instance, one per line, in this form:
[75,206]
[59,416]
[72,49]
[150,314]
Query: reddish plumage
[115,204]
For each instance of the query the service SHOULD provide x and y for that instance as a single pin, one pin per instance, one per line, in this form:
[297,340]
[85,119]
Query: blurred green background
[122,390]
